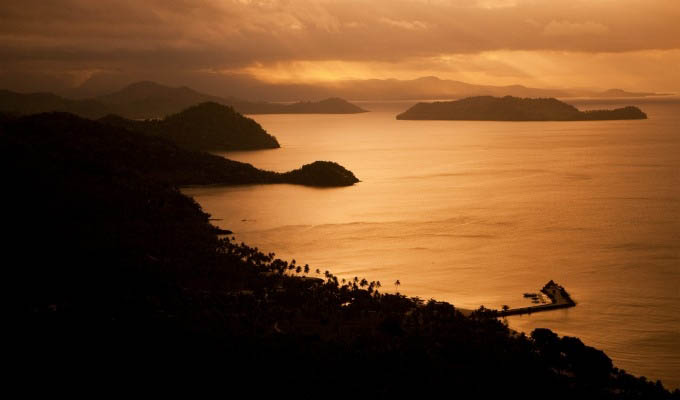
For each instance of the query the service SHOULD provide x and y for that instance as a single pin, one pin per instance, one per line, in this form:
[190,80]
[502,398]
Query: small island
[508,108]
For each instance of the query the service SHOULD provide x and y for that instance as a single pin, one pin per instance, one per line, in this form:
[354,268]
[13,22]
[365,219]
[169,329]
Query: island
[624,93]
[207,126]
[508,108]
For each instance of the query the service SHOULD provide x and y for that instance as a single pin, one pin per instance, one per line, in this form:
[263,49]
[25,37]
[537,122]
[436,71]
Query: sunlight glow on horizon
[545,69]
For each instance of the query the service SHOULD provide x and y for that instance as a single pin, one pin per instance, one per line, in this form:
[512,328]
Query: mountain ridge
[147,99]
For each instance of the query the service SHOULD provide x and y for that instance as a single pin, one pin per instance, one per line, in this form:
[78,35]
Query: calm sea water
[477,213]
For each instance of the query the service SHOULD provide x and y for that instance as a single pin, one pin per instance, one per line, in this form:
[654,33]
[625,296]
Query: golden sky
[630,44]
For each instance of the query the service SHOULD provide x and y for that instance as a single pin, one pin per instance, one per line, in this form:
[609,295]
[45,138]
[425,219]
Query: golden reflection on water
[477,213]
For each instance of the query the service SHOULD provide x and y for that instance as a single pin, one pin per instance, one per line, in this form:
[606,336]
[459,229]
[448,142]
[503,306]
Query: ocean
[478,213]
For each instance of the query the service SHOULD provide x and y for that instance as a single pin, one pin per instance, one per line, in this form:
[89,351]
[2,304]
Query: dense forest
[120,274]
[508,108]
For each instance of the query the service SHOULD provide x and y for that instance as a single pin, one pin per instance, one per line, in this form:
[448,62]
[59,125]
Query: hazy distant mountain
[141,99]
[148,99]
[152,100]
[429,87]
[623,93]
[33,103]
[434,88]
[487,108]
[334,105]
[248,88]
[207,126]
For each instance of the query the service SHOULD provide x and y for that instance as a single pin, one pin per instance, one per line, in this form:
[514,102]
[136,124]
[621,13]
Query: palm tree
[397,283]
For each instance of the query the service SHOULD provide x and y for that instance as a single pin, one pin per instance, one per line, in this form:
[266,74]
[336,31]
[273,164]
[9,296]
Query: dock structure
[558,296]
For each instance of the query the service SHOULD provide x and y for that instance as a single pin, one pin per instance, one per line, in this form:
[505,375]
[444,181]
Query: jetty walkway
[559,297]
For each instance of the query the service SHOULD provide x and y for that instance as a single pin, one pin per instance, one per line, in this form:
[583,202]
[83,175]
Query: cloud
[566,28]
[408,25]
[496,3]
[72,38]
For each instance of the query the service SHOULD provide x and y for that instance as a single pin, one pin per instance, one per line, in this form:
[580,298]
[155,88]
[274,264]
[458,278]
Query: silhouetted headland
[487,108]
[66,138]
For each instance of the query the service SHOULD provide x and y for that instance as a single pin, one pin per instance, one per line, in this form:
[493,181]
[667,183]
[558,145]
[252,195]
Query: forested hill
[206,126]
[508,108]
[34,103]
[53,140]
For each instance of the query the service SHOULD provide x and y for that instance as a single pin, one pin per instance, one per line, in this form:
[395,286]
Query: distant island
[58,139]
[623,93]
[508,108]
[333,105]
[146,99]
[207,126]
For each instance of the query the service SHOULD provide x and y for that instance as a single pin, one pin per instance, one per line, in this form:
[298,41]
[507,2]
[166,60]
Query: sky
[629,44]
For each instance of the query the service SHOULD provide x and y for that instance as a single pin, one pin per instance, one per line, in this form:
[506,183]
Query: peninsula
[508,108]
[57,139]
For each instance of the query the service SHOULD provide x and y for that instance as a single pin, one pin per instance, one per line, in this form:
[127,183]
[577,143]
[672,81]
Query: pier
[557,294]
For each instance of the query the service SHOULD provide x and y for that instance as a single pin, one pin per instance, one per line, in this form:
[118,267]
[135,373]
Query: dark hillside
[113,273]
